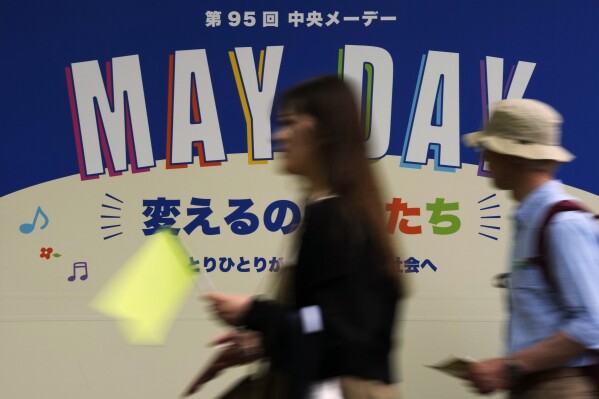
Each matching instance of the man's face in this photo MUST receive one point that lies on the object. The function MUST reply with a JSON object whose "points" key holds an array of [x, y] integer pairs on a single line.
{"points": [[504, 169]]}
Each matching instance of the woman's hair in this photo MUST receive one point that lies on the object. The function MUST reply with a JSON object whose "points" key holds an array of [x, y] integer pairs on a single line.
{"points": [[342, 154]]}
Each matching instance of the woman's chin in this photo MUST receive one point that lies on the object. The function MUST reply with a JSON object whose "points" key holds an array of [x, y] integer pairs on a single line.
{"points": [[284, 167]]}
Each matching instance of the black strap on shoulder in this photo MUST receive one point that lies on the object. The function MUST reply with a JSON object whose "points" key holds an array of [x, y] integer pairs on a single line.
{"points": [[541, 258]]}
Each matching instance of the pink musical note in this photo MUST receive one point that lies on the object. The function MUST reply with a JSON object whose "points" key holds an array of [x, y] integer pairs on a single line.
{"points": [[27, 228], [79, 265]]}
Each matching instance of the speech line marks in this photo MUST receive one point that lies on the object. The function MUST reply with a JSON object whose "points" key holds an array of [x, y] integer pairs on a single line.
{"points": [[488, 218], [112, 224], [27, 228]]}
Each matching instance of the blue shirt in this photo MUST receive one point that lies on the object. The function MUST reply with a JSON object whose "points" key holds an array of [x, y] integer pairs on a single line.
{"points": [[536, 312]]}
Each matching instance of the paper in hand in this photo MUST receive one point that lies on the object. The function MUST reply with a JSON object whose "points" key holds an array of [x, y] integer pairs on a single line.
{"points": [[454, 366]]}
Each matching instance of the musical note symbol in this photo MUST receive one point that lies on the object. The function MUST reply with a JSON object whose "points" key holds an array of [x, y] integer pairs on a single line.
{"points": [[79, 265], [27, 228]]}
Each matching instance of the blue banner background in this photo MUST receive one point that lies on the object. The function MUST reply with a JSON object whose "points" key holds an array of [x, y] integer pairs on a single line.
{"points": [[39, 39]]}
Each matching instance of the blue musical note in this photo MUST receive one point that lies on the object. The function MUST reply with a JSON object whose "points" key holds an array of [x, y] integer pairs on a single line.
{"points": [[27, 228]]}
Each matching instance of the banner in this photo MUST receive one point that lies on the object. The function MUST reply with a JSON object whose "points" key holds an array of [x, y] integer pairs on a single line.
{"points": [[123, 117]]}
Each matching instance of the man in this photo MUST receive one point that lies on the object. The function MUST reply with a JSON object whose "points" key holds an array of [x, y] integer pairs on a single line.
{"points": [[553, 330]]}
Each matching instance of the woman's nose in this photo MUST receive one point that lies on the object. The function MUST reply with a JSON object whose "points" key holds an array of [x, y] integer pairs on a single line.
{"points": [[282, 135], [279, 138]]}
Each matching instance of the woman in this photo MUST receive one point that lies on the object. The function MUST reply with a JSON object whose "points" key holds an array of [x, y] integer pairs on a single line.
{"points": [[335, 332]]}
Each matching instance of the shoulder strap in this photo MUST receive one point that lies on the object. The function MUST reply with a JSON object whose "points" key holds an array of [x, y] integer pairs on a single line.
{"points": [[542, 259]]}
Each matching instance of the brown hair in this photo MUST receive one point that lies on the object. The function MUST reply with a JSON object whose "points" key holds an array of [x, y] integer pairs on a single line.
{"points": [[342, 153]]}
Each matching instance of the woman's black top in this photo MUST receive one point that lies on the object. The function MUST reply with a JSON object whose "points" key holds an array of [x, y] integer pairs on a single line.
{"points": [[340, 270]]}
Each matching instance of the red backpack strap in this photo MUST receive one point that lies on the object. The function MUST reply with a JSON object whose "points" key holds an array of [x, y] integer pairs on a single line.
{"points": [[542, 258], [541, 261]]}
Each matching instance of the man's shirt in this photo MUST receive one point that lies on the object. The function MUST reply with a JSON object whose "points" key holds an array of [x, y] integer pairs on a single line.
{"points": [[536, 311]]}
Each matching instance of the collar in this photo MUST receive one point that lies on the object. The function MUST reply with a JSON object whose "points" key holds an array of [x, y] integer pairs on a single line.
{"points": [[313, 200]]}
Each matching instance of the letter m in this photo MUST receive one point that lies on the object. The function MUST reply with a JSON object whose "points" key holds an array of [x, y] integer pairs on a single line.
{"points": [[109, 120]]}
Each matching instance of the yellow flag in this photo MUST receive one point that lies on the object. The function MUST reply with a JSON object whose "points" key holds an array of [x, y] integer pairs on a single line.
{"points": [[148, 291]]}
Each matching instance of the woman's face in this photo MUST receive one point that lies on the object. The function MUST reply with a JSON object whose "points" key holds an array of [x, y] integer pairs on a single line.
{"points": [[296, 138]]}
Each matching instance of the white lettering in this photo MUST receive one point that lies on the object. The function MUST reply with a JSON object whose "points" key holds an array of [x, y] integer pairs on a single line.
{"points": [[90, 90], [380, 64], [194, 63], [436, 117]]}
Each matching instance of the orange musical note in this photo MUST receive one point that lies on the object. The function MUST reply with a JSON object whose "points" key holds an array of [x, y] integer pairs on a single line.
{"points": [[27, 228], [79, 265]]}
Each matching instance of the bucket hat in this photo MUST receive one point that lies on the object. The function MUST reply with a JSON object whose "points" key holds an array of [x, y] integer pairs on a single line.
{"points": [[523, 128]]}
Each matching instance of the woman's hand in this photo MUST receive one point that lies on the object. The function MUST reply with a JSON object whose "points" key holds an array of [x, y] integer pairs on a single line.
{"points": [[238, 348], [231, 309]]}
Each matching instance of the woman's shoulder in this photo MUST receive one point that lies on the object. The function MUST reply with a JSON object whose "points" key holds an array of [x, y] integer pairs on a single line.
{"points": [[329, 206]]}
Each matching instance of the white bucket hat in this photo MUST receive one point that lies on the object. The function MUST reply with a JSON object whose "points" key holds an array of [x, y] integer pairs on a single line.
{"points": [[522, 128]]}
